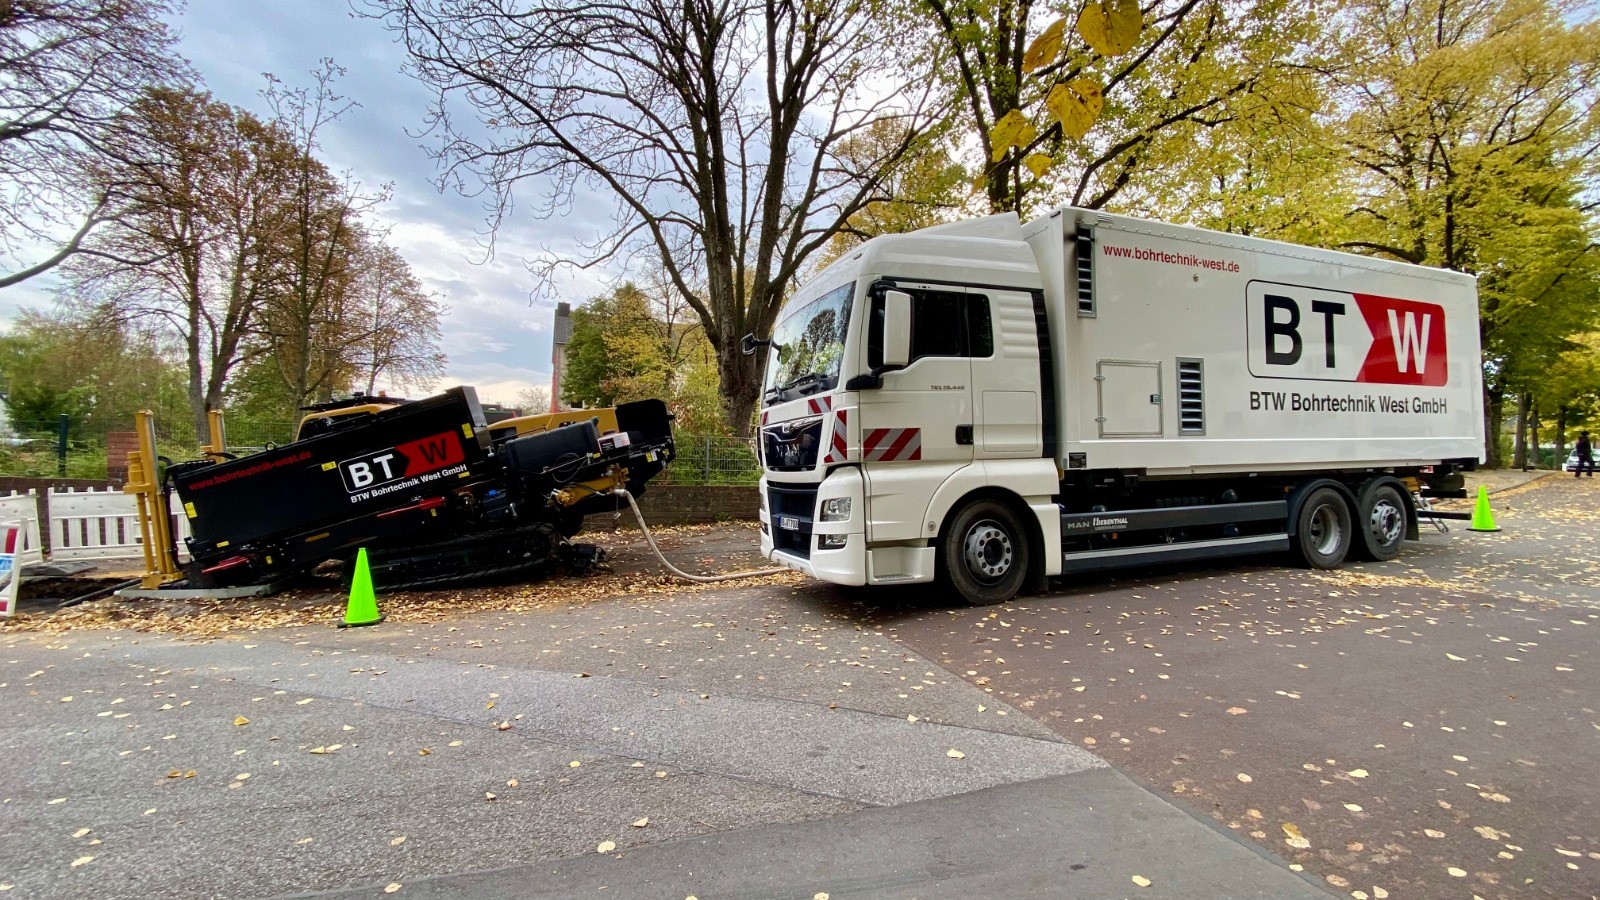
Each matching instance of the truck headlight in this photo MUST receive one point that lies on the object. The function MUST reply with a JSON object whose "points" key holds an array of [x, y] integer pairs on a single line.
{"points": [[836, 510], [832, 541]]}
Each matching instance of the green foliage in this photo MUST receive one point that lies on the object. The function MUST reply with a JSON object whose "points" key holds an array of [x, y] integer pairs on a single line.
{"points": [[628, 346], [92, 368]]}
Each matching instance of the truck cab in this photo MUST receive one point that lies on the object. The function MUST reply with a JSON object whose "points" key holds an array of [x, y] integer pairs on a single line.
{"points": [[864, 456]]}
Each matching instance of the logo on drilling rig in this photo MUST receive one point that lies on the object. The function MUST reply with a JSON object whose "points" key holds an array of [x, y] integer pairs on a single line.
{"points": [[410, 460]]}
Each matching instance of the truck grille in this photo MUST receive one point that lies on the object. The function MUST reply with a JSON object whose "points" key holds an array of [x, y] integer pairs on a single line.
{"points": [[792, 446], [797, 502]]}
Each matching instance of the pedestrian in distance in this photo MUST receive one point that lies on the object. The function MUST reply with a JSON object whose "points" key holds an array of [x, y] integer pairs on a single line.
{"points": [[1585, 451]]}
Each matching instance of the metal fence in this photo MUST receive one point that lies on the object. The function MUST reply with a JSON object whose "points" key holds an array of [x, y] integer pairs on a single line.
{"points": [[707, 459], [57, 449]]}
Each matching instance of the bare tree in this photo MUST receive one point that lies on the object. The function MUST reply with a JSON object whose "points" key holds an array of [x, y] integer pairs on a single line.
{"points": [[209, 216], [309, 326], [400, 340], [714, 124], [68, 71]]}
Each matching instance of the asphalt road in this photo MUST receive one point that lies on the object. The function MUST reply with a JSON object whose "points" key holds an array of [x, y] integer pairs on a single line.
{"points": [[1420, 728], [1423, 728]]}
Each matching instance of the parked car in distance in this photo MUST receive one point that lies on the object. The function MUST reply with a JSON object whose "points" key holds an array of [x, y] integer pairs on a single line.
{"points": [[1572, 462]]}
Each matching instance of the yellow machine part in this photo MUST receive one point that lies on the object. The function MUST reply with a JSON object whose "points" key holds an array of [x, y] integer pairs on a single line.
{"points": [[605, 420], [365, 409]]}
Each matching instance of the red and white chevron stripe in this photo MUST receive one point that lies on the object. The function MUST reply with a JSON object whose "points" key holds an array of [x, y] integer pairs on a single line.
{"points": [[820, 404], [891, 444], [839, 444]]}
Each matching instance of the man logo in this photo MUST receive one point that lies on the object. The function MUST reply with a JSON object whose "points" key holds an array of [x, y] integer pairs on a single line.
{"points": [[1318, 335]]}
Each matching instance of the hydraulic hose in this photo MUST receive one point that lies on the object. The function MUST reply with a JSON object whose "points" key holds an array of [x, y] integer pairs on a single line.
{"points": [[702, 579]]}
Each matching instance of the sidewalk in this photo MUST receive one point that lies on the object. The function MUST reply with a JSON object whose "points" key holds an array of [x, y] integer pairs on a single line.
{"points": [[1501, 480], [743, 742]]}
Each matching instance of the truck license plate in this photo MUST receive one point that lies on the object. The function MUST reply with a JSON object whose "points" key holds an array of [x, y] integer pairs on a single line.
{"points": [[789, 523]]}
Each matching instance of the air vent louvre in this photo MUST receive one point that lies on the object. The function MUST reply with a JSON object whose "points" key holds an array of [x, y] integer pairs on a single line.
{"points": [[1085, 271], [1191, 396]]}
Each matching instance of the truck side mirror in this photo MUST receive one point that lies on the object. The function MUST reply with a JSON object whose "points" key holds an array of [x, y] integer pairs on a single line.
{"points": [[896, 329], [750, 342]]}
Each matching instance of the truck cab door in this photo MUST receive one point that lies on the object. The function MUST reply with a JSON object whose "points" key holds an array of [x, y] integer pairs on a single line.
{"points": [[917, 427], [1003, 339]]}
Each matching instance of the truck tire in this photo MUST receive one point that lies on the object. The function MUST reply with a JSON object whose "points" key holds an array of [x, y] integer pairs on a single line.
{"points": [[1323, 530], [1380, 521], [984, 556]]}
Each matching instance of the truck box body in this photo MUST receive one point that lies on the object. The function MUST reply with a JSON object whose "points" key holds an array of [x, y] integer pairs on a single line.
{"points": [[1252, 354]]}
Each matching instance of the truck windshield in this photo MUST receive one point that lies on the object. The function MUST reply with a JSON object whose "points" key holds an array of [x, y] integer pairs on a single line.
{"points": [[808, 347]]}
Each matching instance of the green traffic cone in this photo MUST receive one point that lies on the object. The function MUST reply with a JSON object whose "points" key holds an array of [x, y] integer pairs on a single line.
{"points": [[1482, 516], [363, 606]]}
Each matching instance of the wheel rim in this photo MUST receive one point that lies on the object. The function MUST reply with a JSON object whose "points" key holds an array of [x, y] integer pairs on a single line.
{"points": [[1387, 522], [987, 551], [1325, 530]]}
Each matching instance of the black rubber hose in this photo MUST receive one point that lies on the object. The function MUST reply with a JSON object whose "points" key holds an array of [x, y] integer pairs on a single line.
{"points": [[98, 592]]}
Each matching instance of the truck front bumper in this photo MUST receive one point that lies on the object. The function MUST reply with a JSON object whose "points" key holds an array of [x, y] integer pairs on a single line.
{"points": [[837, 550]]}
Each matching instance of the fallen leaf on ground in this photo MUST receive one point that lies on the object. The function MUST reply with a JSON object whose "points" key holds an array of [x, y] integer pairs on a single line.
{"points": [[398, 841], [1243, 778], [1357, 773], [606, 847], [1294, 837], [1141, 881], [1432, 833], [488, 795], [1459, 873], [642, 822], [955, 754], [241, 720], [391, 887], [81, 860], [1237, 710]]}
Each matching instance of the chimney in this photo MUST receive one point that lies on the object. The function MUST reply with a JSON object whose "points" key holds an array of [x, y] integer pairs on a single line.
{"points": [[560, 335]]}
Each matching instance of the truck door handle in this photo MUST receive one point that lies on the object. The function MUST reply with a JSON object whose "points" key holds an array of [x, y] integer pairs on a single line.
{"points": [[964, 435]]}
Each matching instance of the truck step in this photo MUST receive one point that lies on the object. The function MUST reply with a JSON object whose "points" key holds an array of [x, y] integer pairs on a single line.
{"points": [[1127, 557]]}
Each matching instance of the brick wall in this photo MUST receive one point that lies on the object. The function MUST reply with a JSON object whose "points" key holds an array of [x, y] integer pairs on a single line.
{"points": [[118, 445], [683, 504]]}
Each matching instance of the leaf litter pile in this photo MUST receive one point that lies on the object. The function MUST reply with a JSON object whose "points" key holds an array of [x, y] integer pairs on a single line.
{"points": [[631, 572]]}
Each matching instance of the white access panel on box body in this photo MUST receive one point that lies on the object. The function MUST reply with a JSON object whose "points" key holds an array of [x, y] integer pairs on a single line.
{"points": [[1306, 357]]}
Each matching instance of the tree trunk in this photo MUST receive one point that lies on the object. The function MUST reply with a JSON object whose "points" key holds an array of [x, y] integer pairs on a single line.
{"points": [[1493, 407], [1519, 446], [1561, 436], [197, 389], [1533, 434], [741, 385]]}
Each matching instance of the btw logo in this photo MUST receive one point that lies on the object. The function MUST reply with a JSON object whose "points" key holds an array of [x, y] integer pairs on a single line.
{"points": [[404, 461], [1314, 334]]}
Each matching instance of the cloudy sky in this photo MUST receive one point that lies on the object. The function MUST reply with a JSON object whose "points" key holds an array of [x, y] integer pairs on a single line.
{"points": [[496, 336]]}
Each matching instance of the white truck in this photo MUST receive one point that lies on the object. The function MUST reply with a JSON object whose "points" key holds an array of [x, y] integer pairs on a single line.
{"points": [[990, 403]]}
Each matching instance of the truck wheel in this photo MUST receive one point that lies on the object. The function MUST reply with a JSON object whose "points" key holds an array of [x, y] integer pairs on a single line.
{"points": [[1323, 536], [1381, 513], [984, 554]]}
